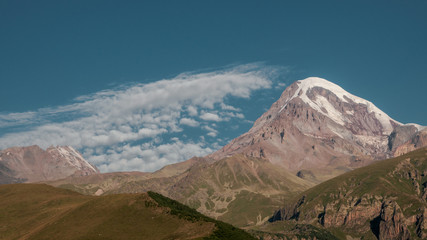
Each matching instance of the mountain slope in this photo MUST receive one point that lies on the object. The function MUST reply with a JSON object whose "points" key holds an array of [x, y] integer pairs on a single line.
{"points": [[385, 200], [33, 211], [322, 130], [239, 189]]}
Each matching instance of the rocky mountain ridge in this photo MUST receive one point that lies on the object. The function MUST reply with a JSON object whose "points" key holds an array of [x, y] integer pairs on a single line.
{"points": [[386, 200], [319, 128], [33, 164]]}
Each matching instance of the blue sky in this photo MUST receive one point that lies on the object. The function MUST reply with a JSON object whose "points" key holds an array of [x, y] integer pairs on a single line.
{"points": [[66, 65]]}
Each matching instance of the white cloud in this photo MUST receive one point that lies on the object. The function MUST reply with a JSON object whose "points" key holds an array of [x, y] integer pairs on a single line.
{"points": [[146, 159], [13, 119], [189, 122], [210, 117], [109, 126], [192, 111], [228, 107], [212, 134], [229, 115], [211, 131], [280, 85]]}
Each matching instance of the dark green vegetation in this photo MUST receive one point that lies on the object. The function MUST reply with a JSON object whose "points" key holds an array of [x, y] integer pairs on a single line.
{"points": [[36, 211], [386, 197], [222, 230]]}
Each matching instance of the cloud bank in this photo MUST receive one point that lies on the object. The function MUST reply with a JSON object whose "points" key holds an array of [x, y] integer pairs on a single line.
{"points": [[141, 127]]}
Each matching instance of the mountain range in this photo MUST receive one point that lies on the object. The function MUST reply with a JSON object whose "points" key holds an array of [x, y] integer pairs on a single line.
{"points": [[313, 133]]}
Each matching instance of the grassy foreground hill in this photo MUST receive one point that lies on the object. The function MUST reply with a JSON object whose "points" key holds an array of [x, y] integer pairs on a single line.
{"points": [[385, 200], [37, 211]]}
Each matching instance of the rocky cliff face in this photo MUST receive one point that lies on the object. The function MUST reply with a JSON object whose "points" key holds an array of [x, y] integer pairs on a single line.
{"points": [[386, 199], [422, 224], [392, 222], [33, 164], [319, 128], [410, 142]]}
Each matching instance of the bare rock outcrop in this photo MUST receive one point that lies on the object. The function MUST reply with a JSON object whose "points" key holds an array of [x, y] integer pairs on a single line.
{"points": [[400, 135], [386, 217], [392, 224], [422, 224], [416, 140], [386, 200]]}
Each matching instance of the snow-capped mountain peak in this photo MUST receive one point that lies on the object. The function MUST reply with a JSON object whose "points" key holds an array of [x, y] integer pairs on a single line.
{"points": [[73, 157], [316, 124], [323, 102], [311, 82], [33, 164]]}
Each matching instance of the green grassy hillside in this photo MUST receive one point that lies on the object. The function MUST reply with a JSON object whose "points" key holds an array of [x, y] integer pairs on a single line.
{"points": [[389, 178], [363, 202], [36, 211]]}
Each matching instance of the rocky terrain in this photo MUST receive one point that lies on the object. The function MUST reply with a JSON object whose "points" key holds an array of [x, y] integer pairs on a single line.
{"points": [[33, 164], [385, 200], [405, 139]]}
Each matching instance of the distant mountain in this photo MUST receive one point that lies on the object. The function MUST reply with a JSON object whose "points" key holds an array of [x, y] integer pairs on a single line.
{"points": [[314, 132], [407, 138], [385, 200], [320, 130], [33, 164], [35, 211]]}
